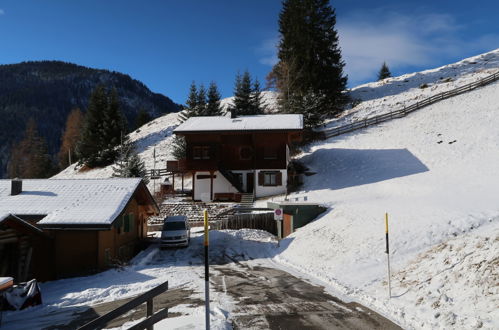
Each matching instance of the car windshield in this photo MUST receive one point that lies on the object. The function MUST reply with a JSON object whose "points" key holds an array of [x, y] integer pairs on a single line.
{"points": [[177, 225]]}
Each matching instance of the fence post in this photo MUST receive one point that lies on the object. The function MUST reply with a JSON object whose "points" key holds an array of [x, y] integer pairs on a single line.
{"points": [[149, 310]]}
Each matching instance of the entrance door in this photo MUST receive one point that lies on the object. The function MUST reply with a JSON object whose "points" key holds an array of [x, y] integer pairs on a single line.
{"points": [[250, 182]]}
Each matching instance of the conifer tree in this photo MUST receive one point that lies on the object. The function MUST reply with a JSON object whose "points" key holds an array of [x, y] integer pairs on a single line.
{"points": [[179, 147], [129, 164], [384, 72], [309, 56], [29, 157], [191, 103], [90, 145], [143, 117], [201, 101], [102, 129], [70, 137], [113, 129], [213, 107], [243, 103], [257, 104]]}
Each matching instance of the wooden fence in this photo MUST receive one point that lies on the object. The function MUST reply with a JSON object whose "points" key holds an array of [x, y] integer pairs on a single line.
{"points": [[148, 323], [263, 221], [411, 108]]}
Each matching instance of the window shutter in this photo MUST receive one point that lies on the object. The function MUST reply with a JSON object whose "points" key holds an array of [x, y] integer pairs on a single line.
{"points": [[260, 178], [278, 179]]}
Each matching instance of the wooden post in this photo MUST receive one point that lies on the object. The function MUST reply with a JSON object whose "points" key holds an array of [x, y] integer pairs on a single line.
{"points": [[211, 185], [206, 271], [193, 183], [388, 256], [149, 310], [182, 182], [173, 182]]}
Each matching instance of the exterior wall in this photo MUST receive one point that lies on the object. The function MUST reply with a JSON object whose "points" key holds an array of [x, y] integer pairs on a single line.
{"points": [[116, 244], [75, 252], [263, 191], [220, 185]]}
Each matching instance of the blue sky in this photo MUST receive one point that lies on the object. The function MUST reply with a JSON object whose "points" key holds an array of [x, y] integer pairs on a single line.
{"points": [[167, 44]]}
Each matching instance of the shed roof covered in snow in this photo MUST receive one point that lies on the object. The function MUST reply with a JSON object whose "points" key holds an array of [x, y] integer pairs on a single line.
{"points": [[280, 122], [71, 202]]}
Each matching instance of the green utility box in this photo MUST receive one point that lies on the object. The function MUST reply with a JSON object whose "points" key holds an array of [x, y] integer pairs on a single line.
{"points": [[302, 213]]}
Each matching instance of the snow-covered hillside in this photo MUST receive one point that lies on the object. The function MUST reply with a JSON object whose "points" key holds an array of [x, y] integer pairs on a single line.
{"points": [[436, 172], [155, 135], [394, 93]]}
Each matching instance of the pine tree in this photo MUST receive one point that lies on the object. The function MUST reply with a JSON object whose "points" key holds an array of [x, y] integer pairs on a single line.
{"points": [[89, 147], [29, 157], [384, 72], [179, 147], [70, 137], [102, 130], [113, 129], [201, 101], [257, 105], [213, 107], [309, 57], [143, 117], [191, 104], [243, 103], [129, 164]]}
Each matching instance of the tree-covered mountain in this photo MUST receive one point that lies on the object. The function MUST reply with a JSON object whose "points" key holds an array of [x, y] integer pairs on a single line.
{"points": [[47, 91]]}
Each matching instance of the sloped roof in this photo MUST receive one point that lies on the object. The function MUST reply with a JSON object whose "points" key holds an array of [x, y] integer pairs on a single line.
{"points": [[69, 202], [244, 123]]}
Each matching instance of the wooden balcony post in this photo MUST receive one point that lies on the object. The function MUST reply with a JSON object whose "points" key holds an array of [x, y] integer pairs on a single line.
{"points": [[211, 184]]}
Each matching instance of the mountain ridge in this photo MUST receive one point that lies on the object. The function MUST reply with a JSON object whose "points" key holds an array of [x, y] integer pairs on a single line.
{"points": [[48, 90]]}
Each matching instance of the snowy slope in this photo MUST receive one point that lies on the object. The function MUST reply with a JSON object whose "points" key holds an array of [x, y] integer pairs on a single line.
{"points": [[394, 93], [436, 173], [155, 135]]}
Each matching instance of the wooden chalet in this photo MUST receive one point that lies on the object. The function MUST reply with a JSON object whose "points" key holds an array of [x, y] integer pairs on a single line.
{"points": [[228, 157], [52, 228]]}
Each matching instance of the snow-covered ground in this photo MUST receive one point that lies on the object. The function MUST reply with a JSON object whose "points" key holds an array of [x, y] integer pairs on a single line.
{"points": [[436, 173], [391, 94], [182, 268]]}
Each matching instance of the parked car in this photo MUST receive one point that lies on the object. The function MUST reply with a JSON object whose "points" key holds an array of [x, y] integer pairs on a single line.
{"points": [[176, 231]]}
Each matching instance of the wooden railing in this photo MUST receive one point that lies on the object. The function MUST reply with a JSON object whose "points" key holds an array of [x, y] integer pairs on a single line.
{"points": [[148, 323], [411, 108]]}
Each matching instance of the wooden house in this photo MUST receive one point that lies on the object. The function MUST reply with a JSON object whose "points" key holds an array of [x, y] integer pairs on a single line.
{"points": [[232, 156], [59, 228]]}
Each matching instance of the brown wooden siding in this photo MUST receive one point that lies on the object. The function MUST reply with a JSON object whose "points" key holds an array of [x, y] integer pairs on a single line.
{"points": [[238, 151], [75, 252]]}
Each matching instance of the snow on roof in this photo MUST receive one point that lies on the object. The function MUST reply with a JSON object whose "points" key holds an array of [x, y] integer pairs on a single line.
{"points": [[69, 202], [243, 123]]}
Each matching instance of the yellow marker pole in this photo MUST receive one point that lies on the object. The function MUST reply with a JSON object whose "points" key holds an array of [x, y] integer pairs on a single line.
{"points": [[206, 271], [388, 256]]}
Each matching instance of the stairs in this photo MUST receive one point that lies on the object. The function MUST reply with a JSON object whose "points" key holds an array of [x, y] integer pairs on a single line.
{"points": [[247, 200], [231, 177]]}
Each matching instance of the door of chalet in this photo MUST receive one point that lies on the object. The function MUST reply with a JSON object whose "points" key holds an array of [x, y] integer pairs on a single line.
{"points": [[250, 182]]}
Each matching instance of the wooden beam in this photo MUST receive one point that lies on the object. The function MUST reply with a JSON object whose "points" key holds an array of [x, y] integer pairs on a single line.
{"points": [[211, 185]]}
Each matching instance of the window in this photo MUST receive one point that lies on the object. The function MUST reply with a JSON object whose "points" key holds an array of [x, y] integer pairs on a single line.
{"points": [[201, 152], [273, 178], [269, 179]]}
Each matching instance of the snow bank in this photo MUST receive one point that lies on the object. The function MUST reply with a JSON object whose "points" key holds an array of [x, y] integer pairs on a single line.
{"points": [[435, 172]]}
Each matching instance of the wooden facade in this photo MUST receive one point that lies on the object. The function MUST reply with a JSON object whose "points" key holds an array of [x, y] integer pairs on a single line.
{"points": [[59, 251], [235, 162]]}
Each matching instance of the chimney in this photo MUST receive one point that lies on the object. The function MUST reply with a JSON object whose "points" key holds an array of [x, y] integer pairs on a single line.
{"points": [[17, 187]]}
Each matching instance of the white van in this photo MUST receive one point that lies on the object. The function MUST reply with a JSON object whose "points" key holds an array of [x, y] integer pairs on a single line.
{"points": [[176, 231]]}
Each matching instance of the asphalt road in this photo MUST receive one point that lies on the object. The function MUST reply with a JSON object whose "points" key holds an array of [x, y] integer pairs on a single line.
{"points": [[269, 298]]}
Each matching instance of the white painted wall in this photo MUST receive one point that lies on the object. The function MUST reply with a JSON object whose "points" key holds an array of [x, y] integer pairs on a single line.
{"points": [[222, 185], [202, 186], [263, 191]]}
